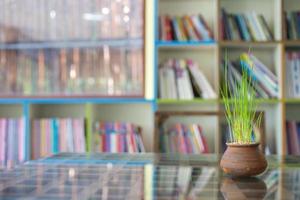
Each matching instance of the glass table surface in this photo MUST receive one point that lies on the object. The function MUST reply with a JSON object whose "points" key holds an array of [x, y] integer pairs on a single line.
{"points": [[145, 176]]}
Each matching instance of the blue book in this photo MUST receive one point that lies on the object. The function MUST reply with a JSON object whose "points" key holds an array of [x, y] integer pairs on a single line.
{"points": [[242, 24], [298, 24], [55, 137], [298, 131], [226, 25]]}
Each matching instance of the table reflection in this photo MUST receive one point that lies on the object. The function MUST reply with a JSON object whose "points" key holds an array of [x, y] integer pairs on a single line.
{"points": [[148, 177]]}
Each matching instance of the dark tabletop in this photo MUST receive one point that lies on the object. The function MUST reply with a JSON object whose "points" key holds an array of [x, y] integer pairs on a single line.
{"points": [[145, 176]]}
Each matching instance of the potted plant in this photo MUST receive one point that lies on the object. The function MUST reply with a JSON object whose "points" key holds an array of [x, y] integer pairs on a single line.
{"points": [[242, 156]]}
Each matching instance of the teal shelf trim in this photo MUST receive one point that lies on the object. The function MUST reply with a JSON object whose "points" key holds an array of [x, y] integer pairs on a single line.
{"points": [[183, 44], [73, 100], [127, 42]]}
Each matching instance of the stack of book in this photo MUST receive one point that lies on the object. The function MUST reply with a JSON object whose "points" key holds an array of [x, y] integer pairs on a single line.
{"points": [[293, 74], [117, 137], [106, 71], [186, 28], [54, 135], [247, 27], [70, 20], [12, 142], [265, 81], [292, 20], [293, 137], [183, 79], [181, 138]]}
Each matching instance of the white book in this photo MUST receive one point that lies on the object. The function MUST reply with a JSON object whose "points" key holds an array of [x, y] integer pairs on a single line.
{"points": [[198, 137], [200, 27], [252, 27], [113, 143], [288, 80], [129, 146], [162, 83], [204, 85], [259, 26], [297, 63], [295, 72], [70, 147], [187, 85]]}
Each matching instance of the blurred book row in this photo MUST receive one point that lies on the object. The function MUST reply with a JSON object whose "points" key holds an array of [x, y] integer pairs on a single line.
{"points": [[181, 138], [50, 136], [117, 137], [57, 20], [183, 79], [106, 71], [248, 26], [184, 28]]}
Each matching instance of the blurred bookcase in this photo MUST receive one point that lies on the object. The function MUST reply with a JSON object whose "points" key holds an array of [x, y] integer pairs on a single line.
{"points": [[76, 59], [79, 38], [209, 55]]}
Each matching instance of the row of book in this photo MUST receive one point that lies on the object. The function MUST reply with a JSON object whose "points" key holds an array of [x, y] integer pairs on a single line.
{"points": [[292, 25], [293, 137], [117, 137], [265, 81], [247, 27], [184, 28], [183, 79], [57, 20], [107, 71], [180, 138], [12, 142], [53, 135], [293, 74]]}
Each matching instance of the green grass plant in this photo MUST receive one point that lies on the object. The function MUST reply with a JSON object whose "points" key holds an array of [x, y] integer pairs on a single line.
{"points": [[240, 107]]}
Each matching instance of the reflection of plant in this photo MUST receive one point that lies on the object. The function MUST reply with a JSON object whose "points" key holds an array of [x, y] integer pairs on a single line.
{"points": [[240, 107]]}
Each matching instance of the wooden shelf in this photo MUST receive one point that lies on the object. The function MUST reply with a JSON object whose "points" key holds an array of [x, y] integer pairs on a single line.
{"points": [[246, 44], [292, 100], [292, 43], [192, 101]]}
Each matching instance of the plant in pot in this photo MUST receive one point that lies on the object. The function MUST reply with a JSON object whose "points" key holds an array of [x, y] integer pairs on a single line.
{"points": [[242, 157]]}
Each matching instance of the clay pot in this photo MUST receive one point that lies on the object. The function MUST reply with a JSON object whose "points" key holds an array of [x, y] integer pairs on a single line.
{"points": [[243, 160]]}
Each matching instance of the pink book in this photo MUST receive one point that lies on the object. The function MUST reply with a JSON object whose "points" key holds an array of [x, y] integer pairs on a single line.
{"points": [[21, 136], [2, 141], [295, 146]]}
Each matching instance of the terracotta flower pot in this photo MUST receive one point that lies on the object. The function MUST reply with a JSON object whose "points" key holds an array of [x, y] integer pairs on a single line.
{"points": [[243, 160]]}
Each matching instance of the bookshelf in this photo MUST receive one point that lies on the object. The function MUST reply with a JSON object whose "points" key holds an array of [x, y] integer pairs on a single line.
{"points": [[270, 52], [140, 108]]}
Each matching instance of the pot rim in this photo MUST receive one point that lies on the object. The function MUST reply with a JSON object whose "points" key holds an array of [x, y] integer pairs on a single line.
{"points": [[231, 144]]}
